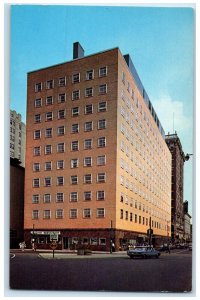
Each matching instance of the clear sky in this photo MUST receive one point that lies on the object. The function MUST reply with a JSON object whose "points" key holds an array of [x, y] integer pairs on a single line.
{"points": [[160, 41]]}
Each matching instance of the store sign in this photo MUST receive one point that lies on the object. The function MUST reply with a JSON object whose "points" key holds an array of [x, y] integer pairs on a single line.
{"points": [[45, 232]]}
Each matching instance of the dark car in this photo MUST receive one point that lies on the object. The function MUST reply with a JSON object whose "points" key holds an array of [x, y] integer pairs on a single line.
{"points": [[143, 252]]}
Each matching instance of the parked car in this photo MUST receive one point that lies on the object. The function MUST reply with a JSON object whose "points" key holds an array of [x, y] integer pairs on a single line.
{"points": [[190, 247], [143, 252]]}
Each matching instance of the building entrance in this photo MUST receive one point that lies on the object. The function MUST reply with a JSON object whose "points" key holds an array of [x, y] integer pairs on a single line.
{"points": [[66, 242]]}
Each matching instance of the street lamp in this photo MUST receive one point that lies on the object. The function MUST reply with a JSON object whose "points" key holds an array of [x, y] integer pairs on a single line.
{"points": [[187, 156]]}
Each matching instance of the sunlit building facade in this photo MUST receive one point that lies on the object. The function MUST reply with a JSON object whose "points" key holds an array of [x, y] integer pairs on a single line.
{"points": [[97, 165]]}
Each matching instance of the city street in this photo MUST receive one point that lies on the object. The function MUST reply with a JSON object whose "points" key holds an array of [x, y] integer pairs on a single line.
{"points": [[101, 272]]}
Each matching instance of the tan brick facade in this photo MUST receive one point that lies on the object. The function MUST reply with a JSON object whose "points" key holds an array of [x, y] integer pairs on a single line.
{"points": [[126, 172]]}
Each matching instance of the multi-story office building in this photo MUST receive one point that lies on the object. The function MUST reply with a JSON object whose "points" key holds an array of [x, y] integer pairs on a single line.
{"points": [[97, 165], [177, 213], [17, 137]]}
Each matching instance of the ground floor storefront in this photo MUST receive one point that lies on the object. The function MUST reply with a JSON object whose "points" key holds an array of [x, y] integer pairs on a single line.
{"points": [[93, 239]]}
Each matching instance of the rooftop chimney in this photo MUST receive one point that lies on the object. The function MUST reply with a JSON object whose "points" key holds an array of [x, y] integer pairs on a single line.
{"points": [[78, 51]]}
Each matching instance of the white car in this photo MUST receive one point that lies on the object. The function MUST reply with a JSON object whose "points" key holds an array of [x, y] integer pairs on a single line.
{"points": [[143, 252]]}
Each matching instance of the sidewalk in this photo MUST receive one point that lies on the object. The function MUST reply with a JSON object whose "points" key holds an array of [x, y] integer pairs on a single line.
{"points": [[63, 254]]}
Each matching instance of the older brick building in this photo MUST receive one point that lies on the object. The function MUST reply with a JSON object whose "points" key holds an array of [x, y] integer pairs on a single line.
{"points": [[97, 165], [178, 159]]}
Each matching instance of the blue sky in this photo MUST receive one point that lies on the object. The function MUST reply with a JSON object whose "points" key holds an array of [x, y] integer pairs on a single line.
{"points": [[160, 41]]}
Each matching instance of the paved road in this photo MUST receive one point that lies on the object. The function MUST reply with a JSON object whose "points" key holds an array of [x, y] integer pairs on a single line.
{"points": [[171, 272]]}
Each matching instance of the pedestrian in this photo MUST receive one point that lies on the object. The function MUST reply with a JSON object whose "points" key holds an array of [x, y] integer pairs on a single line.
{"points": [[113, 247], [168, 248], [22, 246]]}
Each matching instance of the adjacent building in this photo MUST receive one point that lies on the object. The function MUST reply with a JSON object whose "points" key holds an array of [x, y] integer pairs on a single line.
{"points": [[97, 165], [187, 223], [17, 137], [177, 213], [17, 175]]}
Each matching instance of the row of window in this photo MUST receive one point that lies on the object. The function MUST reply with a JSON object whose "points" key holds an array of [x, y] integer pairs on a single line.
{"points": [[88, 144], [73, 197], [73, 213], [75, 128], [42, 239], [74, 163], [76, 78], [75, 95], [87, 179]]}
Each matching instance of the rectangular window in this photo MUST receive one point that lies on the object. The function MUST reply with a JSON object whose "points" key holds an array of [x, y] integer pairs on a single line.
{"points": [[59, 197], [74, 163], [47, 198], [60, 164], [38, 87], [74, 146], [88, 109], [37, 118], [61, 148], [37, 134], [88, 144], [38, 102], [121, 214], [123, 77], [47, 214], [75, 111], [48, 149], [88, 126], [102, 241], [49, 84], [135, 218], [88, 92], [36, 167], [36, 182], [102, 124], [87, 161], [73, 196], [86, 213], [75, 128], [126, 217], [73, 213], [100, 212], [101, 177], [49, 100], [103, 72], [101, 160], [49, 116], [48, 165], [36, 151], [88, 178], [35, 199], [61, 98], [60, 180], [103, 89], [102, 106], [62, 81], [35, 214], [74, 179], [87, 196], [76, 95], [61, 114], [61, 130], [59, 213], [90, 75], [100, 195], [47, 181], [76, 78], [101, 142], [48, 132], [131, 216]]}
